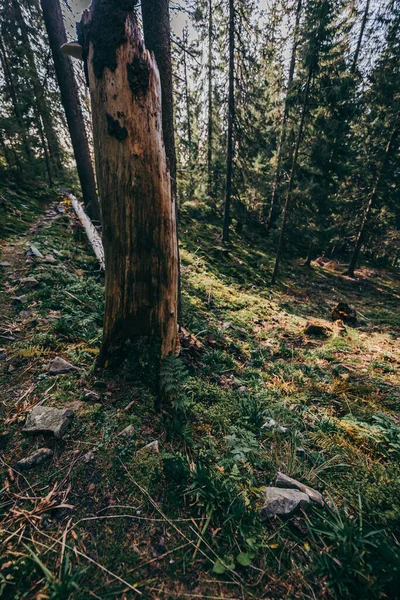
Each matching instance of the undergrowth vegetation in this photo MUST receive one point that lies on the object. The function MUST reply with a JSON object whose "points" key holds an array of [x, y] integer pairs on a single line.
{"points": [[254, 396]]}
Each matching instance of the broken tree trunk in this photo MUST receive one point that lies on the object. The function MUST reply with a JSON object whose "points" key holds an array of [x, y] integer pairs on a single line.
{"points": [[90, 229], [138, 210]]}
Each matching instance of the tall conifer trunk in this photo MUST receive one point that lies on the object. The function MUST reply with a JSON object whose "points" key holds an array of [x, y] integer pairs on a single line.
{"points": [[157, 37], [210, 120], [360, 37], [231, 117], [43, 108], [369, 206], [138, 209], [12, 93], [70, 99], [272, 215], [292, 175]]}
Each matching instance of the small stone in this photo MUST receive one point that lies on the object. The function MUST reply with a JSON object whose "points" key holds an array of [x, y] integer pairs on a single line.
{"points": [[280, 502], [28, 282], [128, 431], [48, 420], [25, 314], [34, 459], [33, 251], [283, 481], [49, 259], [88, 457], [61, 209], [11, 369], [19, 299], [243, 389], [59, 366], [91, 396], [5, 264], [152, 447]]}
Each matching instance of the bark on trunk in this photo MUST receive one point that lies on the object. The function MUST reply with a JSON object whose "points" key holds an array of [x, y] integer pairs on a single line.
{"points": [[157, 37], [138, 210], [291, 180], [210, 123], [368, 208], [231, 116], [272, 215], [70, 99]]}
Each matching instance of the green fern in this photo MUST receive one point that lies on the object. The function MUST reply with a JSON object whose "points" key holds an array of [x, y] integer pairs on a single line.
{"points": [[173, 376], [31, 352]]}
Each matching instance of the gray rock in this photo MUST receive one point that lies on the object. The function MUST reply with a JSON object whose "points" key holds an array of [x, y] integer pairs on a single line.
{"points": [[49, 259], [91, 396], [283, 503], [152, 447], [25, 314], [48, 420], [5, 264], [128, 431], [28, 282], [88, 457], [34, 459], [33, 251], [20, 299], [283, 481], [59, 366]]}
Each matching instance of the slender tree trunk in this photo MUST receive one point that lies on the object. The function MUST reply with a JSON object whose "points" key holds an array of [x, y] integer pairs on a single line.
{"points": [[137, 206], [273, 203], [11, 90], [54, 148], [231, 117], [370, 204], [70, 99], [6, 152], [292, 174], [187, 100], [44, 142], [157, 37], [210, 123], [188, 114], [360, 37]]}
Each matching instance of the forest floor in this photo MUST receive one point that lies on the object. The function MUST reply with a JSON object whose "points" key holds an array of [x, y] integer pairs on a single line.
{"points": [[251, 395]]}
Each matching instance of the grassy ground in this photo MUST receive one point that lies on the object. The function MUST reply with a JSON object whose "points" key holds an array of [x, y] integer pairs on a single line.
{"points": [[104, 519]]}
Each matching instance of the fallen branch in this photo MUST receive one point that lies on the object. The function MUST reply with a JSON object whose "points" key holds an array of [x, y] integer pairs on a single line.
{"points": [[90, 229]]}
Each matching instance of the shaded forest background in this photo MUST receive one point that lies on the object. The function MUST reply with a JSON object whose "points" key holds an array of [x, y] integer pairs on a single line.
{"points": [[323, 76]]}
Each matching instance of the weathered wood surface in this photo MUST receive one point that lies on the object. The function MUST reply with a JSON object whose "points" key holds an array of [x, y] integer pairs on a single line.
{"points": [[138, 210], [90, 229]]}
